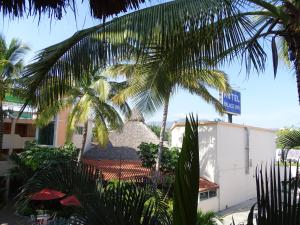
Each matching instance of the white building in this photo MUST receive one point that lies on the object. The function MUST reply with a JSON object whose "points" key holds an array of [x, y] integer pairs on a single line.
{"points": [[229, 154]]}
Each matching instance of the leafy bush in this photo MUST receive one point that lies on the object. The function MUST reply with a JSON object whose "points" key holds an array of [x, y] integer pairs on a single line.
{"points": [[205, 218], [35, 157], [148, 154]]}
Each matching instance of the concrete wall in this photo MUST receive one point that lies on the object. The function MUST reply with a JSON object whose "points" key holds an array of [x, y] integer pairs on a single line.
{"points": [[19, 142], [177, 135], [226, 160], [237, 163], [208, 152]]}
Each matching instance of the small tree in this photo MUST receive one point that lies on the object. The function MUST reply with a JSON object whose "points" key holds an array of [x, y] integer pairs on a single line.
{"points": [[288, 139], [148, 154]]}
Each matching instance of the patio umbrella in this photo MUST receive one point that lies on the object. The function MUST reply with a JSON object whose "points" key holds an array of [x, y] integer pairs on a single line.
{"points": [[70, 201], [47, 194]]}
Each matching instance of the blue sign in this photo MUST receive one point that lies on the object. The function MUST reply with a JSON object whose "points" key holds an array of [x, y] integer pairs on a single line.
{"points": [[232, 102]]}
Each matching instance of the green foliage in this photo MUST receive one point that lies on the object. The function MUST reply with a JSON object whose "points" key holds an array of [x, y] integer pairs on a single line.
{"points": [[288, 139], [91, 97], [277, 197], [156, 130], [205, 218], [35, 157], [148, 154], [187, 177], [116, 203]]}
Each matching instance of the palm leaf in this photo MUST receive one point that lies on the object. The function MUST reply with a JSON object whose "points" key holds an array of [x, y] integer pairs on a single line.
{"points": [[163, 25], [187, 177]]}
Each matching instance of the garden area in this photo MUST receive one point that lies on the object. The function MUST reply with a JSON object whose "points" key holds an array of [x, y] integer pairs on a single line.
{"points": [[136, 58]]}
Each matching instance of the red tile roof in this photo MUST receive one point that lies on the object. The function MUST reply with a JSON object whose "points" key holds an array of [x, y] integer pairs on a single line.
{"points": [[131, 169], [205, 185], [120, 169]]}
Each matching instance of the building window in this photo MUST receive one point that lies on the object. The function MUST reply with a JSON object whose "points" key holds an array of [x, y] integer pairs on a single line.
{"points": [[46, 135], [203, 195], [208, 194]]}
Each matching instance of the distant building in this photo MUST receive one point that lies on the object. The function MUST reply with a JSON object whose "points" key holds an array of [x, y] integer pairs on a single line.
{"points": [[123, 144], [229, 154]]}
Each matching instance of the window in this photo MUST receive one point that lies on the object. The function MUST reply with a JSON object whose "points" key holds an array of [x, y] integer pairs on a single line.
{"points": [[208, 194], [203, 195], [46, 135], [212, 193]]}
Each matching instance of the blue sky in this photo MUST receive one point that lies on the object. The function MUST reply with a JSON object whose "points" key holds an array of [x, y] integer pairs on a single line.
{"points": [[265, 102]]}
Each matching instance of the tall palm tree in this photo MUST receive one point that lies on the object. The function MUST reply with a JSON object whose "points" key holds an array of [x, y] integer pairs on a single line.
{"points": [[91, 99], [11, 64], [156, 79]]}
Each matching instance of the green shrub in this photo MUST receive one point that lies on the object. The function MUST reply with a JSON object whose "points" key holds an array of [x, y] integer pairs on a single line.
{"points": [[148, 154], [35, 157]]}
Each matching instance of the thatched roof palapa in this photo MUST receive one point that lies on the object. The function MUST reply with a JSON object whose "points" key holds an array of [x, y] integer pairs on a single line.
{"points": [[123, 144], [55, 8]]}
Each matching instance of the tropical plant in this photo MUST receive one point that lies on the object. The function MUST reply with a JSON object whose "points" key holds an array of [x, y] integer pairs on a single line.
{"points": [[187, 177], [116, 203], [148, 154], [288, 140], [36, 157], [11, 64], [205, 218], [92, 98], [123, 202], [278, 199], [188, 30], [153, 82]]}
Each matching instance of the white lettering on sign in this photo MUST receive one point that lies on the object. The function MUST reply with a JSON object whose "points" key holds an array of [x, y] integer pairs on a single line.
{"points": [[233, 97]]}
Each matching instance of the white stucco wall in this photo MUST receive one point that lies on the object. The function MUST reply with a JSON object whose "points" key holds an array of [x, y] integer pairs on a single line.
{"points": [[235, 184], [208, 152], [223, 158]]}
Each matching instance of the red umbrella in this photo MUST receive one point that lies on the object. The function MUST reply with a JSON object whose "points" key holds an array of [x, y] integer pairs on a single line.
{"points": [[70, 201], [47, 194]]}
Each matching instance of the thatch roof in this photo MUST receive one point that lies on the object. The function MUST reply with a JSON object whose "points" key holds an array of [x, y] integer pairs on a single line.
{"points": [[123, 144], [56, 8]]}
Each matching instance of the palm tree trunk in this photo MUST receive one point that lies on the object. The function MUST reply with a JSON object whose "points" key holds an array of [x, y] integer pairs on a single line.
{"points": [[85, 128], [162, 133], [1, 126]]}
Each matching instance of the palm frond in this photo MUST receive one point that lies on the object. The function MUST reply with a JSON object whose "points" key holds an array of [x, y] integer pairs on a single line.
{"points": [[114, 204], [189, 26], [290, 139], [187, 177]]}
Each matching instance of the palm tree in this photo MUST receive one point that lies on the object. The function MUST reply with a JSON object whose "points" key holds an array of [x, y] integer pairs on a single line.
{"points": [[189, 29], [11, 64], [153, 82], [93, 98], [277, 20], [288, 140]]}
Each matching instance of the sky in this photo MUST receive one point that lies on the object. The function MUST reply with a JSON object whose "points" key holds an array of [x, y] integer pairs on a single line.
{"points": [[265, 101]]}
